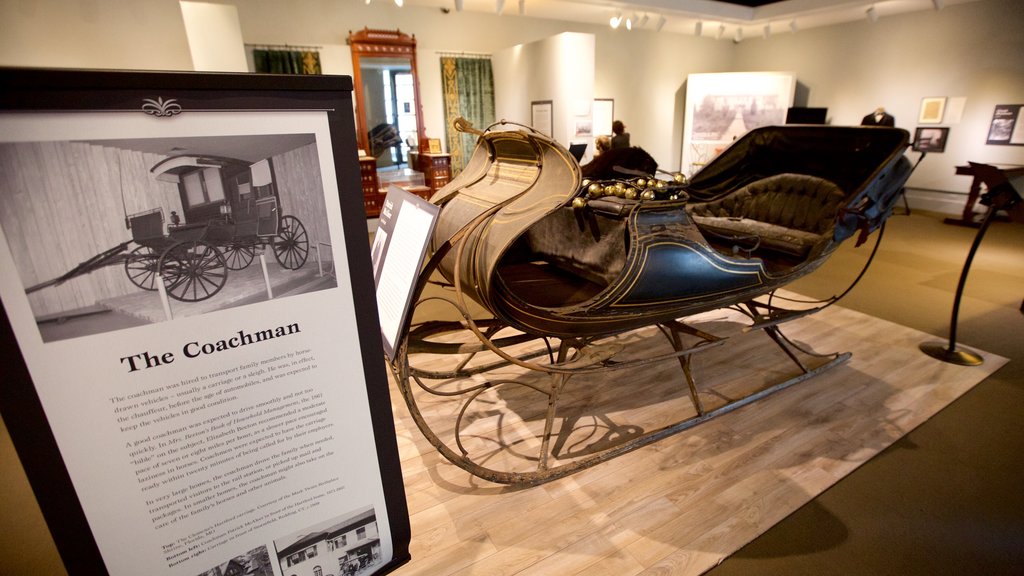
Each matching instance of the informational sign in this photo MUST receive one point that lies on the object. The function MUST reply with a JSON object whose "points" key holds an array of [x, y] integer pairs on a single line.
{"points": [[1007, 126], [188, 391], [405, 226]]}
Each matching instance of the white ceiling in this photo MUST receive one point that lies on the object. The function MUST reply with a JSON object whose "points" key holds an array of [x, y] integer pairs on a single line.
{"points": [[682, 16]]}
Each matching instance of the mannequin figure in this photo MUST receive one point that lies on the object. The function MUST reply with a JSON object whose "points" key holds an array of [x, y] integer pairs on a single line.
{"points": [[878, 118]]}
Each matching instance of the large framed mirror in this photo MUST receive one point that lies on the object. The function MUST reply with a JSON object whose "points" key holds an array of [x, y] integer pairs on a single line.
{"points": [[389, 116]]}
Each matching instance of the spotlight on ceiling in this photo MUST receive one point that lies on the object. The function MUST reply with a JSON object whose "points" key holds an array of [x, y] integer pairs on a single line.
{"points": [[767, 31], [937, 4], [792, 26], [629, 23], [522, 7], [739, 36], [459, 5], [872, 14], [698, 28], [721, 32], [399, 3], [643, 21], [499, 6], [614, 21], [660, 24]]}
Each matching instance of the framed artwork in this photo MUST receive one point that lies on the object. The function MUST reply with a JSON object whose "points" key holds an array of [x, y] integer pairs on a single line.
{"points": [[932, 110], [434, 145], [604, 115], [584, 128], [930, 139], [721, 107], [1006, 128], [541, 116], [178, 410]]}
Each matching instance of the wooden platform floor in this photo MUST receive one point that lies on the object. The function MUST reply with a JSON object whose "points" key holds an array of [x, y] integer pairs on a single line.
{"points": [[683, 504]]}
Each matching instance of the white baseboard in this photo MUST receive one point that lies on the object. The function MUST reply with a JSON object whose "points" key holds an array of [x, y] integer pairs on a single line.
{"points": [[951, 203]]}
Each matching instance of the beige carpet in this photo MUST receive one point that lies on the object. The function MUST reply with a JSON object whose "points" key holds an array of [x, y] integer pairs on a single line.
{"points": [[683, 504]]}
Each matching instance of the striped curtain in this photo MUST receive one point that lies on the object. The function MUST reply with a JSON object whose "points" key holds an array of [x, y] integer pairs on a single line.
{"points": [[469, 93], [286, 61]]}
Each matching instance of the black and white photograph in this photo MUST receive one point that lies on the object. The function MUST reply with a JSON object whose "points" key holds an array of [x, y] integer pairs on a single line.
{"points": [[723, 107], [255, 562], [1006, 127], [347, 545], [929, 139], [95, 225]]}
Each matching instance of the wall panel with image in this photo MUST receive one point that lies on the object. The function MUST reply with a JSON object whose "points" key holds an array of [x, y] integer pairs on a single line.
{"points": [[193, 358]]}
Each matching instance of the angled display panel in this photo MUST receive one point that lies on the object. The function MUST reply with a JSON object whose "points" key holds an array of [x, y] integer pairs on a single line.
{"points": [[190, 340]]}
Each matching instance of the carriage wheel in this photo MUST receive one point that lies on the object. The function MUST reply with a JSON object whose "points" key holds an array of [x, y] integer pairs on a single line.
{"points": [[141, 265], [291, 245], [239, 256], [193, 270]]}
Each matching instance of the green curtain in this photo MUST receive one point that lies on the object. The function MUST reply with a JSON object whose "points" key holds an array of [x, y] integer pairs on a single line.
{"points": [[286, 61], [469, 93]]}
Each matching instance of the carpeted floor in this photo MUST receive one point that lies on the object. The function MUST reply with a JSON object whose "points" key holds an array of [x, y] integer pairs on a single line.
{"points": [[946, 498]]}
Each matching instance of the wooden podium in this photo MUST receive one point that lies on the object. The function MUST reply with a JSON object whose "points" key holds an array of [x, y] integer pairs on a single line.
{"points": [[969, 218]]}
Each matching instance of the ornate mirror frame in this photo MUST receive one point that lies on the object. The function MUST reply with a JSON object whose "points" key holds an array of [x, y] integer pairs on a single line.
{"points": [[369, 43]]}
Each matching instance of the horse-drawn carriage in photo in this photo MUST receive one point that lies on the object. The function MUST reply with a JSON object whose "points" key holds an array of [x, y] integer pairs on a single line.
{"points": [[551, 277], [230, 209]]}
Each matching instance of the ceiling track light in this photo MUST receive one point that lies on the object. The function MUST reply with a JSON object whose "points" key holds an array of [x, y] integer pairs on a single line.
{"points": [[792, 26], [614, 21], [522, 7], [459, 4], [767, 31], [399, 3], [721, 32], [698, 28], [739, 36], [643, 20], [499, 6], [872, 14], [937, 4], [661, 23]]}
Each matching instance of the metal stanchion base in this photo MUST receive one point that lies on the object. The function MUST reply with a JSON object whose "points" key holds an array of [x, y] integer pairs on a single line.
{"points": [[941, 351]]}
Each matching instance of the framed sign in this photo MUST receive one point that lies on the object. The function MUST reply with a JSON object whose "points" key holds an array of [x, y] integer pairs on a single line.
{"points": [[1007, 127], [400, 244], [188, 391], [604, 115], [541, 116]]}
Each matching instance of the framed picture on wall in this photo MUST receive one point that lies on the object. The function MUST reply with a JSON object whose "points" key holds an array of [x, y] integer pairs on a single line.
{"points": [[1006, 128], [170, 419], [930, 139], [541, 116], [932, 110], [604, 115]]}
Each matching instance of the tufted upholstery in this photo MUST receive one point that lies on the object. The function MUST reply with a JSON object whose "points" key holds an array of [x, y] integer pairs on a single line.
{"points": [[790, 213]]}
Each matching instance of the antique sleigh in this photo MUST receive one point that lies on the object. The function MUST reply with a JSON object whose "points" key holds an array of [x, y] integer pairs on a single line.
{"points": [[546, 293]]}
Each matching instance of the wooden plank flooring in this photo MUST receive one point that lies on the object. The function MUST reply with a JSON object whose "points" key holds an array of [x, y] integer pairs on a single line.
{"points": [[681, 505]]}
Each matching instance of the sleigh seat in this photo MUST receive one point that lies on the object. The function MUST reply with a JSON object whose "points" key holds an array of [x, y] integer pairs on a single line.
{"points": [[792, 215]]}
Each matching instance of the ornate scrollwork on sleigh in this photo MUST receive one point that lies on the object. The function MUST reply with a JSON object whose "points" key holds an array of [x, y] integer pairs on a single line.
{"points": [[561, 293]]}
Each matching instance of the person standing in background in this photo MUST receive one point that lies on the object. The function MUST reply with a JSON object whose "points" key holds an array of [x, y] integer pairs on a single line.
{"points": [[620, 138]]}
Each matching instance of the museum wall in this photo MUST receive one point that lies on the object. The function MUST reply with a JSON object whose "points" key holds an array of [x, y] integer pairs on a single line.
{"points": [[967, 51]]}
